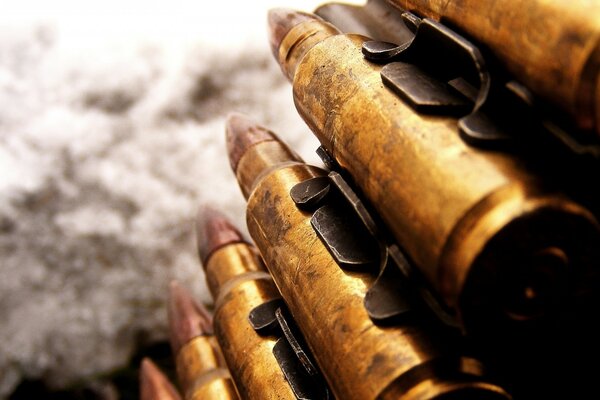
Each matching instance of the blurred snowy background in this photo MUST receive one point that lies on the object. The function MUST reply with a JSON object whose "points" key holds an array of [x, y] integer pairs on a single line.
{"points": [[111, 133]]}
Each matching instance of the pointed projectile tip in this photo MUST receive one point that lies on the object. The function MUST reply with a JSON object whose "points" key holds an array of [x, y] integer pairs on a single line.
{"points": [[241, 133], [187, 318], [213, 231], [154, 385], [281, 21]]}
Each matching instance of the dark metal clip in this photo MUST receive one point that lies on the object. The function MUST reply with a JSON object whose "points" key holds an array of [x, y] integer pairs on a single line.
{"points": [[335, 210], [347, 229], [440, 72], [262, 317], [422, 71], [290, 350], [353, 237]]}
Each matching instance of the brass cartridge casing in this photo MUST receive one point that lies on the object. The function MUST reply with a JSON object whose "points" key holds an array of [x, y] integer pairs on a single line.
{"points": [[239, 283], [200, 366], [359, 359], [551, 46], [202, 372], [485, 231]]}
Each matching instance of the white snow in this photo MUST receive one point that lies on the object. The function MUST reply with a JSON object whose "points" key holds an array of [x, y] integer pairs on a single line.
{"points": [[111, 134]]}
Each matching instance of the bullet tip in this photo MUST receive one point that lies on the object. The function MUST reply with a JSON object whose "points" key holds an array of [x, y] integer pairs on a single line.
{"points": [[154, 385], [281, 21], [213, 231], [241, 133], [187, 318]]}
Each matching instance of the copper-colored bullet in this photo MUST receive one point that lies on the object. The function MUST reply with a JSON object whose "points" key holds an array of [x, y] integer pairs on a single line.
{"points": [[215, 225], [280, 21], [187, 319], [154, 385], [243, 135], [238, 144], [215, 232]]}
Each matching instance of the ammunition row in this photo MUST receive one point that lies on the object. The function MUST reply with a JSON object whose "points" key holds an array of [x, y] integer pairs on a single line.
{"points": [[414, 257], [260, 351]]}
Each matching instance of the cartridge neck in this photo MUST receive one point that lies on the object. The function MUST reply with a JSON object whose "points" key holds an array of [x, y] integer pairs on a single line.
{"points": [[259, 160], [230, 262], [199, 357], [214, 234], [299, 40]]}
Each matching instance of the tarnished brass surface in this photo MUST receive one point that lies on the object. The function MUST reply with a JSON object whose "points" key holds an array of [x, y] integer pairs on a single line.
{"points": [[216, 385], [552, 46], [469, 218], [359, 360], [202, 372], [239, 260], [267, 154], [240, 283]]}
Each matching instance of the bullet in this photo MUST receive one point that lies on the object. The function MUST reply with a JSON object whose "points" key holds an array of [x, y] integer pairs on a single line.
{"points": [[201, 369], [239, 283], [187, 319], [504, 249], [280, 19], [215, 233], [551, 46], [359, 359], [282, 24], [154, 385], [272, 152]]}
